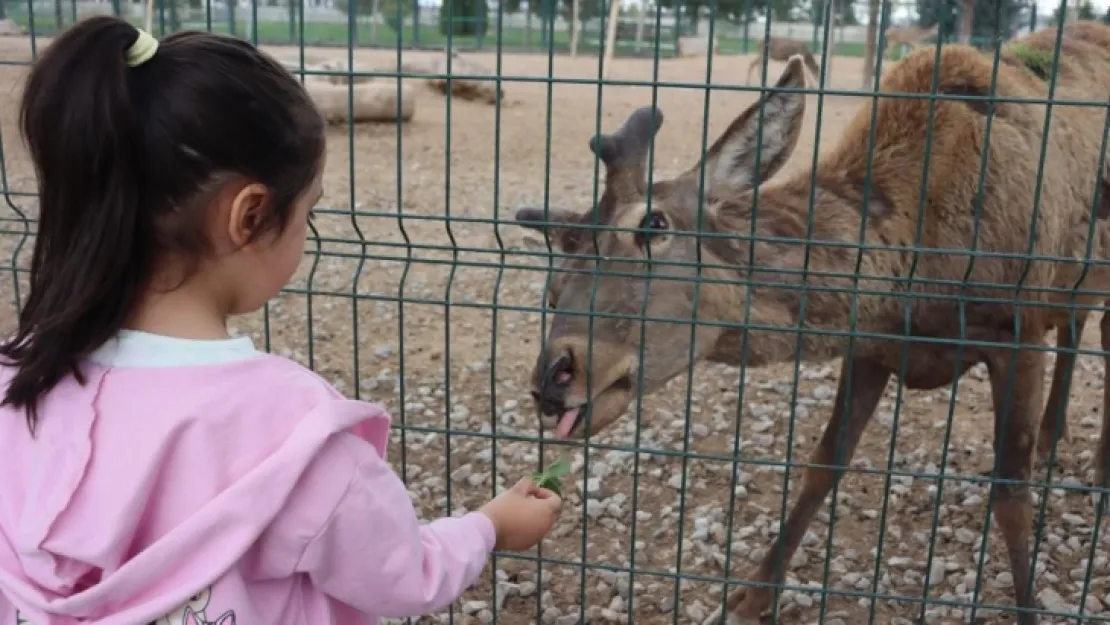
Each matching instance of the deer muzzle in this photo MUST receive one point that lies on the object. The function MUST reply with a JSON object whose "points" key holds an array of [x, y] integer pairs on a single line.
{"points": [[569, 394]]}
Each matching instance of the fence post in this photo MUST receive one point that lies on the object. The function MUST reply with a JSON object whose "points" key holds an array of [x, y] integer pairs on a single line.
{"points": [[481, 24], [677, 25], [293, 21], [415, 25], [528, 28], [817, 23], [547, 23], [175, 18], [543, 21], [747, 24]]}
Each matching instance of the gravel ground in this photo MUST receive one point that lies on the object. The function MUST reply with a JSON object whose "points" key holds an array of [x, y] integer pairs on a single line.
{"points": [[455, 356]]}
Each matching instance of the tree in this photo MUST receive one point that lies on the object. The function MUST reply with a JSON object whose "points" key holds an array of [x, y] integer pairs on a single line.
{"points": [[232, 19], [358, 7], [1085, 11], [588, 11], [396, 13], [464, 17], [990, 21], [845, 12], [1106, 16]]}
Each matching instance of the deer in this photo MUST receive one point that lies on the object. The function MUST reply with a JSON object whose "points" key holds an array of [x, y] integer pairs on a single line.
{"points": [[705, 253], [911, 36], [780, 49]]}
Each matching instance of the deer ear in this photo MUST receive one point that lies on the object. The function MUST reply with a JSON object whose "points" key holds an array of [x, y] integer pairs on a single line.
{"points": [[731, 161], [535, 219], [558, 224]]}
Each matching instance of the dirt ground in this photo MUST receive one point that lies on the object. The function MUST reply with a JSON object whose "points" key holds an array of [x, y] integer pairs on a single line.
{"points": [[456, 354]]}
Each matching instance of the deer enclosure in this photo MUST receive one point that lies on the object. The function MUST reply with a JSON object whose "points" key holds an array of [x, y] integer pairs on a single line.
{"points": [[419, 291]]}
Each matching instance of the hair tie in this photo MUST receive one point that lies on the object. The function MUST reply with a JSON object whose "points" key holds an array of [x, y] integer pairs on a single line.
{"points": [[142, 50]]}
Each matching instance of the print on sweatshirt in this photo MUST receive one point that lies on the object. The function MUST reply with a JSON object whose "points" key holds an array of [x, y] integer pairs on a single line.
{"points": [[192, 612]]}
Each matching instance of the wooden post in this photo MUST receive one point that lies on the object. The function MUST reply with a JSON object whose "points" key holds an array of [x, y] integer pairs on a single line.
{"points": [[640, 25], [869, 55], [827, 53], [967, 21], [611, 37], [574, 28]]}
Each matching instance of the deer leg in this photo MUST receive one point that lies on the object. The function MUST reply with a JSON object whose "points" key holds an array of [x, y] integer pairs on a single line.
{"points": [[1054, 421], [863, 390], [1102, 456], [1019, 384], [751, 67]]}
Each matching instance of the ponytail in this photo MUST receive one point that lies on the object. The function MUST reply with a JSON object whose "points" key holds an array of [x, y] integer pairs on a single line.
{"points": [[88, 262], [121, 153]]}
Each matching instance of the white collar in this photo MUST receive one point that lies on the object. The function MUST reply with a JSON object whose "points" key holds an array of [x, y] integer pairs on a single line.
{"points": [[132, 348]]}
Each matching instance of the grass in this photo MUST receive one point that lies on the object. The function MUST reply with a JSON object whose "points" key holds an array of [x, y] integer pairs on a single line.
{"points": [[1038, 61]]}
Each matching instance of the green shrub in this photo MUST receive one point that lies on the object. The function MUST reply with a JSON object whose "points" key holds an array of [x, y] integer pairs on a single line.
{"points": [[463, 17]]}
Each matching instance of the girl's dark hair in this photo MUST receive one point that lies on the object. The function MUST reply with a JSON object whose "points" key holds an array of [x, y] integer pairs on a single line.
{"points": [[127, 158]]}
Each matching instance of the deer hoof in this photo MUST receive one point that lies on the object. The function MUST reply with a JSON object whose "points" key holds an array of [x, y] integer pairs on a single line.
{"points": [[1097, 498], [1045, 440], [720, 618], [744, 606]]}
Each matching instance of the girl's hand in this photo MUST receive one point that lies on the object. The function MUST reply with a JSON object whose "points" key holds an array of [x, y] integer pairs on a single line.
{"points": [[523, 515]]}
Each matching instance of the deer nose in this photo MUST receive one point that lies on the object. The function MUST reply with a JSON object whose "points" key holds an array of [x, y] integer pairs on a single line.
{"points": [[554, 381]]}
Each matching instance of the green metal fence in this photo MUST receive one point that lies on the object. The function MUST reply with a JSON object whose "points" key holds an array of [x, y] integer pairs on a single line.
{"points": [[404, 22], [418, 291]]}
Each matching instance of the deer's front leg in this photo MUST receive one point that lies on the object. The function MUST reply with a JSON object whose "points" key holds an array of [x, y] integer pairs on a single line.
{"points": [[1102, 457], [838, 443], [1017, 382], [1054, 421], [751, 68]]}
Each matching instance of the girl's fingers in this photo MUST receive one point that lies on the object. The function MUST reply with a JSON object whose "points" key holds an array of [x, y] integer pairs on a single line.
{"points": [[539, 493]]}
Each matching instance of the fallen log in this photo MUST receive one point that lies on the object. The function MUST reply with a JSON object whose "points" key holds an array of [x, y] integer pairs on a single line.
{"points": [[481, 90], [696, 46], [369, 102]]}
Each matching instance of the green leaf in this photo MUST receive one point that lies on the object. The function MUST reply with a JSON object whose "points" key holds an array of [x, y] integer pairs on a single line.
{"points": [[551, 479], [559, 468]]}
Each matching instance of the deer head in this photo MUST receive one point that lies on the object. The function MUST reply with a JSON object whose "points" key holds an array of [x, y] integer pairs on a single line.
{"points": [[589, 372]]}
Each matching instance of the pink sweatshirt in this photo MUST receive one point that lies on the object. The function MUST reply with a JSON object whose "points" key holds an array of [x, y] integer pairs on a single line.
{"points": [[203, 482]]}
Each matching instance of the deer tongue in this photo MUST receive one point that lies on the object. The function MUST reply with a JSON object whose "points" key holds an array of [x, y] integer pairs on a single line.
{"points": [[566, 422]]}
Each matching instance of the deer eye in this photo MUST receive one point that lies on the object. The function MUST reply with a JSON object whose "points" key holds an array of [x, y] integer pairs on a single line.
{"points": [[652, 225]]}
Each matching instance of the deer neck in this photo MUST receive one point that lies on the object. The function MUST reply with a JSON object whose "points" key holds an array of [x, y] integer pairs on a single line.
{"points": [[789, 281]]}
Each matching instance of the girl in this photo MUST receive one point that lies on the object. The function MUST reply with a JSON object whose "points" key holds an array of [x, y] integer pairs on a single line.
{"points": [[155, 469]]}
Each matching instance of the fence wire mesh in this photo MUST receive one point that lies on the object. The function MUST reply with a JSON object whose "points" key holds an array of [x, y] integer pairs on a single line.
{"points": [[715, 342]]}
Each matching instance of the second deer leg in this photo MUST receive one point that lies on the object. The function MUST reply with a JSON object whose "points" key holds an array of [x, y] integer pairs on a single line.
{"points": [[751, 68], [1054, 421], [1102, 457], [842, 433], [1017, 386]]}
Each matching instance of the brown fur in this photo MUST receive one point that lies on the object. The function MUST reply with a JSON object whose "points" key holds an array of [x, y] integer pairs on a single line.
{"points": [[781, 49], [956, 311]]}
